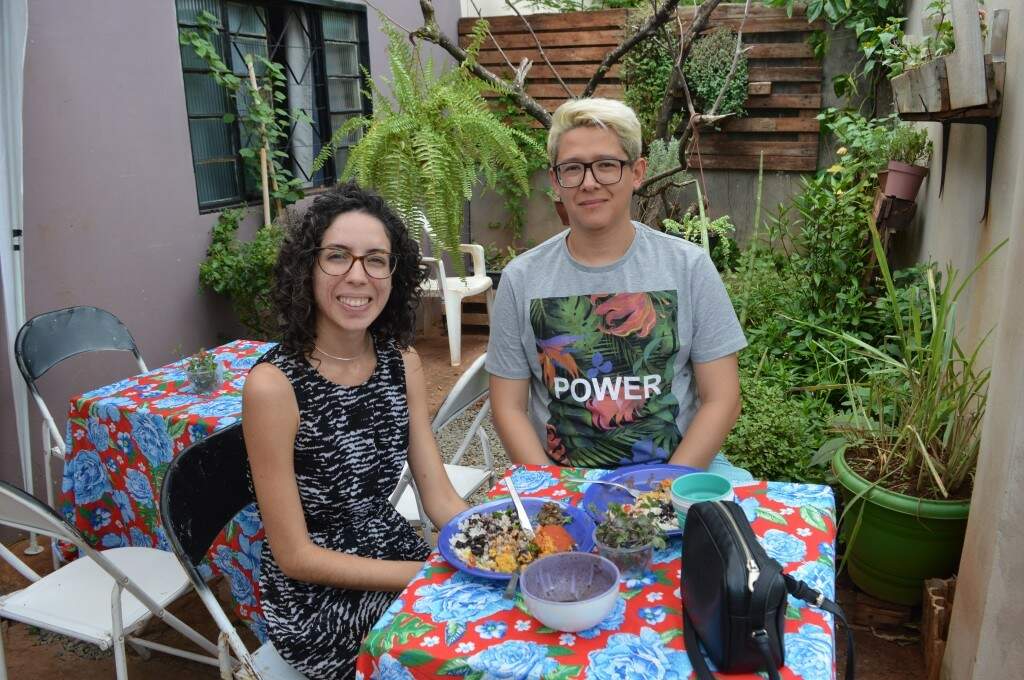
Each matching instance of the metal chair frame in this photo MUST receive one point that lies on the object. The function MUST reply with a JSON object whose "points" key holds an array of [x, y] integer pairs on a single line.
{"points": [[204, 488], [472, 386], [23, 511], [50, 338]]}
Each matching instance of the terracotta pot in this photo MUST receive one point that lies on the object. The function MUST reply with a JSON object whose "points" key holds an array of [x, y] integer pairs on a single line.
{"points": [[903, 181], [562, 213]]}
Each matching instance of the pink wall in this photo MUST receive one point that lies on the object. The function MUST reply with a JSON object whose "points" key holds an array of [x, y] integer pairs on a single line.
{"points": [[111, 216]]}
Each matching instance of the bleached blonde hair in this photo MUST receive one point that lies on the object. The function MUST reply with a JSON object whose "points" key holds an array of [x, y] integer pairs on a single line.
{"points": [[610, 114]]}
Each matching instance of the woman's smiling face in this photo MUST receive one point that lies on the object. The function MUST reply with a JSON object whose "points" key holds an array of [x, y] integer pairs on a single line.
{"points": [[352, 301]]}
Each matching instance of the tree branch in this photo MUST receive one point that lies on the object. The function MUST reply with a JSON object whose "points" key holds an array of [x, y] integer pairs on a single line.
{"points": [[431, 33], [735, 61], [676, 81], [543, 54], [657, 20]]}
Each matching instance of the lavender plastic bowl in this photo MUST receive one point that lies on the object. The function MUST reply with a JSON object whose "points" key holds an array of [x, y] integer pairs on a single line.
{"points": [[570, 591]]}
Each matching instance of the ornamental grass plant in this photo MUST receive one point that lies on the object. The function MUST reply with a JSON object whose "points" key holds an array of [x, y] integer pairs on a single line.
{"points": [[912, 422]]}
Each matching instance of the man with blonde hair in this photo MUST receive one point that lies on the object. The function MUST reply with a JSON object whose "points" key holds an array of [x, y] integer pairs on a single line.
{"points": [[623, 336]]}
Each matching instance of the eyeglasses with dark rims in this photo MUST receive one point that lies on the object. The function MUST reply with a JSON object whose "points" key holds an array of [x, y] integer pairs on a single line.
{"points": [[335, 261], [604, 171]]}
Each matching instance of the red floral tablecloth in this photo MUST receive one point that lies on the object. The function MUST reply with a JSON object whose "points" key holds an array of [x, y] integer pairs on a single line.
{"points": [[120, 440], [446, 623]]}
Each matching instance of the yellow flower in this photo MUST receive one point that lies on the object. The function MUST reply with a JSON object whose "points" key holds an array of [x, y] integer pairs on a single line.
{"points": [[841, 151], [839, 192], [834, 169]]}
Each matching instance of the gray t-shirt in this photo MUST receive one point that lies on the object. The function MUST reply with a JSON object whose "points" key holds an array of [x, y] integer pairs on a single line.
{"points": [[609, 350]]}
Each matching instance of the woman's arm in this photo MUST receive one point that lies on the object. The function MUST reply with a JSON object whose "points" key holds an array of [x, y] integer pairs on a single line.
{"points": [[509, 401], [440, 499], [270, 420], [718, 384]]}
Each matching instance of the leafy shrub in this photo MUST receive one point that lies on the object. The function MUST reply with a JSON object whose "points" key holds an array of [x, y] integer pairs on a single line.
{"points": [[777, 432], [719, 231], [707, 67], [244, 270]]}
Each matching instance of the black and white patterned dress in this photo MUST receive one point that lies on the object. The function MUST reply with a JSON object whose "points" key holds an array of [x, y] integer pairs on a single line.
{"points": [[349, 451]]}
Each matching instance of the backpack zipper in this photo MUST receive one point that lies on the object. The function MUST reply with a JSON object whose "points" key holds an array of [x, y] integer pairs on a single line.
{"points": [[753, 571]]}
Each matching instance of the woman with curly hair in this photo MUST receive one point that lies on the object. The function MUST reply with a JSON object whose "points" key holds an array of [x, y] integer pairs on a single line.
{"points": [[330, 416]]}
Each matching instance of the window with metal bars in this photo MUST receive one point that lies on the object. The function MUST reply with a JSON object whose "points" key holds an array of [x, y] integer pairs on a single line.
{"points": [[322, 47]]}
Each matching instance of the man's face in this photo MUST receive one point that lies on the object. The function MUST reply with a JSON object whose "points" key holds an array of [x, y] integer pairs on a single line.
{"points": [[593, 205]]}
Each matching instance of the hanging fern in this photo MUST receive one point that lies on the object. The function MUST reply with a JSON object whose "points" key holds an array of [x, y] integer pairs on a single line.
{"points": [[428, 143]]}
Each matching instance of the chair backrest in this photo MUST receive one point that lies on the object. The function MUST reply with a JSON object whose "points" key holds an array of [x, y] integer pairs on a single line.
{"points": [[50, 338], [471, 386], [204, 488], [24, 511]]}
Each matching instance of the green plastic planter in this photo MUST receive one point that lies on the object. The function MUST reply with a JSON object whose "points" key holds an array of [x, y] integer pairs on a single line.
{"points": [[901, 541]]}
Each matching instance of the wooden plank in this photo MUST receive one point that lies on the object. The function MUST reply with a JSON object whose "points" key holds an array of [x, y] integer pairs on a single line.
{"points": [[799, 50], [965, 67], [786, 74], [785, 101], [730, 11], [514, 41], [720, 145], [721, 162], [548, 91], [767, 25], [557, 55], [763, 87], [570, 21], [792, 124], [540, 71]]}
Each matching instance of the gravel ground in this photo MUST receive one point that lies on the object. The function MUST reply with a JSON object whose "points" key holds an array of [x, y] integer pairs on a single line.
{"points": [[451, 437]]}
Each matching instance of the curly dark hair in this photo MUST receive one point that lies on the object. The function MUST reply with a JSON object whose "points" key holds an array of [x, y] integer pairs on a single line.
{"points": [[293, 288]]}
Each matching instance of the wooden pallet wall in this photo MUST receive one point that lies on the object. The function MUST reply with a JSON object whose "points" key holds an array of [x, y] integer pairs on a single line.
{"points": [[785, 79]]}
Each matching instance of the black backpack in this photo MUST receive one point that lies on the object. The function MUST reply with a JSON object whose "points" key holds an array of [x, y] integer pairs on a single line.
{"points": [[734, 595]]}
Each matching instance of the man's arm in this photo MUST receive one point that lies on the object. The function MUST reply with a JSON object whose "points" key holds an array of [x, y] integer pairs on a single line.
{"points": [[509, 400], [718, 385]]}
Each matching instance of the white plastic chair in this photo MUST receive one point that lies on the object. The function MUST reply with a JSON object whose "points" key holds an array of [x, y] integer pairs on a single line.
{"points": [[86, 599], [204, 488], [470, 388], [452, 289], [50, 338]]}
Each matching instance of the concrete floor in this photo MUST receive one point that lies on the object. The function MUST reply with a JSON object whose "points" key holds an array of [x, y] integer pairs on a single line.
{"points": [[33, 654]]}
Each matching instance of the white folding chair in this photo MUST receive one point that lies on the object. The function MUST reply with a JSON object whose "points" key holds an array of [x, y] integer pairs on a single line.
{"points": [[452, 289], [86, 599], [204, 488], [50, 338], [470, 388]]}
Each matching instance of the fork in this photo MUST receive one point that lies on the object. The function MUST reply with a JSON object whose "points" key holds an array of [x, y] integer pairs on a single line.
{"points": [[524, 521], [632, 492]]}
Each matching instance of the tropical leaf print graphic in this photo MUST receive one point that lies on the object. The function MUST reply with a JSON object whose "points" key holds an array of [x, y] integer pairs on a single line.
{"points": [[607, 362]]}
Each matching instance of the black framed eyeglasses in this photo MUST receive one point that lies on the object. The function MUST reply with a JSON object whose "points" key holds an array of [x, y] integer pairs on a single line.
{"points": [[604, 170], [335, 261]]}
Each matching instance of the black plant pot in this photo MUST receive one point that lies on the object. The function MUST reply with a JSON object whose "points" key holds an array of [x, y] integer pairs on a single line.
{"points": [[495, 277]]}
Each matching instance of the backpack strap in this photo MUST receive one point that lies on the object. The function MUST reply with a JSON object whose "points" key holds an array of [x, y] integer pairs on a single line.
{"points": [[700, 666], [802, 591]]}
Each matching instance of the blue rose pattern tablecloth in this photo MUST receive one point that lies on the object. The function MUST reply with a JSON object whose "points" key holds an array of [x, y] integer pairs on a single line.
{"points": [[120, 440], [446, 623]]}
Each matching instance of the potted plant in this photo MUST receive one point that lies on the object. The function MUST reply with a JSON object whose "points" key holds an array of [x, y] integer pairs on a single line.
{"points": [[496, 259], [204, 373], [944, 71], [431, 141], [908, 444], [909, 151], [628, 539]]}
